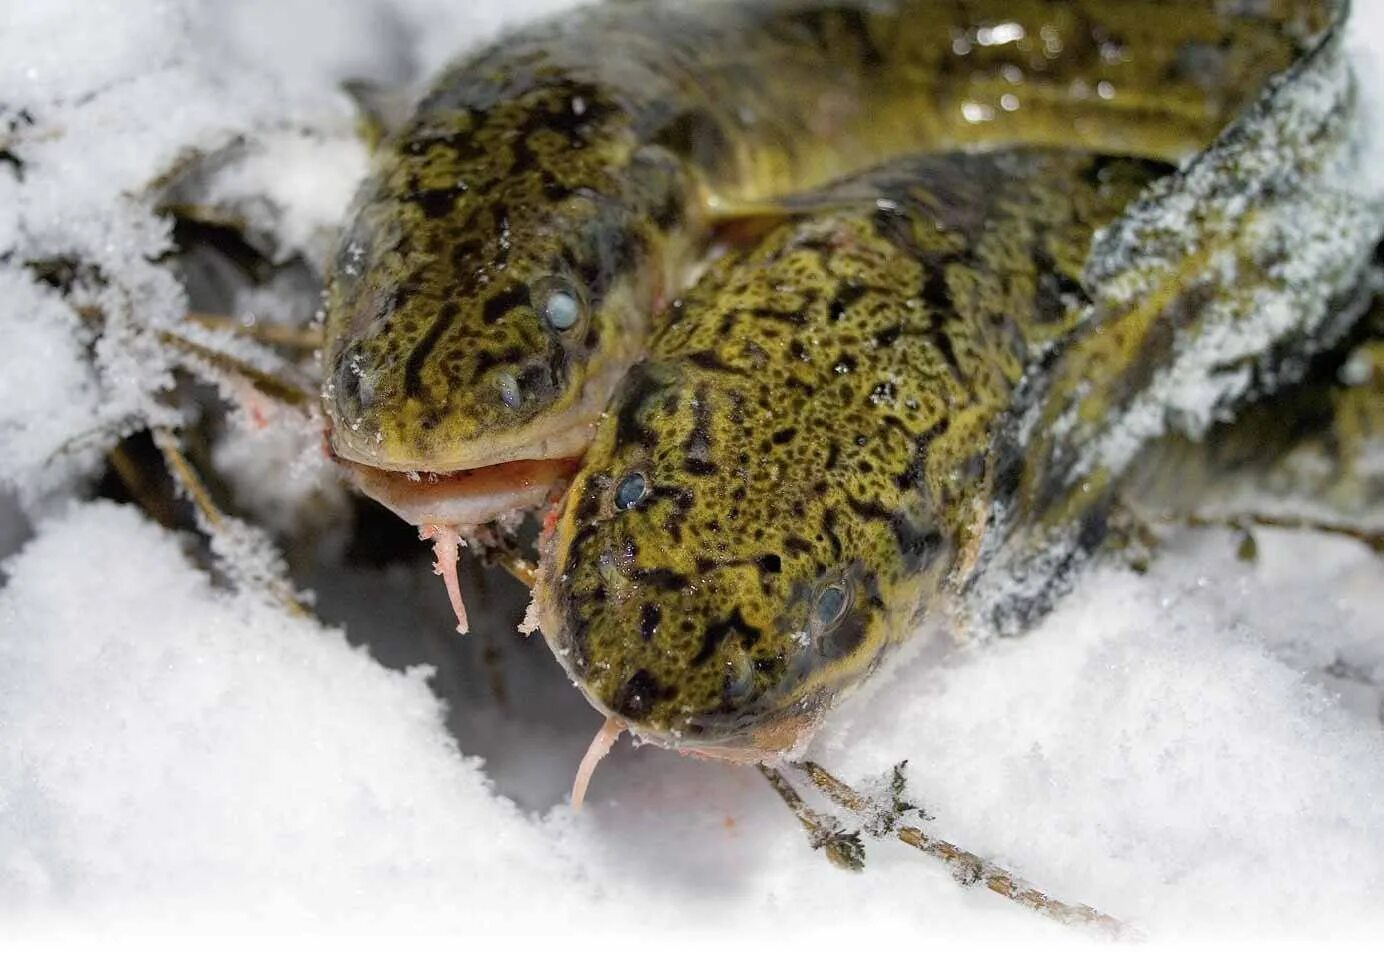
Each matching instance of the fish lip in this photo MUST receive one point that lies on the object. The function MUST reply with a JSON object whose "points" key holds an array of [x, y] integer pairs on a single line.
{"points": [[547, 437], [777, 740], [742, 747], [465, 497], [569, 438], [416, 488]]}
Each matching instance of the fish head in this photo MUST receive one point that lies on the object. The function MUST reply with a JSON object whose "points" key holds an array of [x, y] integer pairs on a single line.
{"points": [[493, 284], [702, 600]]}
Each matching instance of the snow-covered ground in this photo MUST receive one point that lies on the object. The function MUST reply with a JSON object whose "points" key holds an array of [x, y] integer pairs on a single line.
{"points": [[1198, 748]]}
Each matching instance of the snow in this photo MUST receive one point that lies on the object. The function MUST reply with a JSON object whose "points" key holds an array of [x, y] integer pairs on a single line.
{"points": [[293, 185], [1198, 748], [1362, 41], [167, 744], [50, 397], [305, 493], [1184, 721]]}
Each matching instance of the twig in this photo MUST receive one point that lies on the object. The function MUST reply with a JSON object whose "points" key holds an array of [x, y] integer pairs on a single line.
{"points": [[494, 549], [209, 516], [187, 479], [136, 484], [968, 868], [517, 566], [843, 849], [1374, 540], [267, 384], [1008, 885], [303, 339]]}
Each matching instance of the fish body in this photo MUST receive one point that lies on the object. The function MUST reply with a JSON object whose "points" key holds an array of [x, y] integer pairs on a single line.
{"points": [[802, 470], [914, 401], [549, 192]]}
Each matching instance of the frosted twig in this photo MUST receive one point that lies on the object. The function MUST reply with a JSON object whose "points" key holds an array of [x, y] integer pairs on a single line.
{"points": [[187, 479], [843, 849], [1374, 540], [210, 519], [275, 388], [303, 339], [968, 868], [838, 792], [971, 868]]}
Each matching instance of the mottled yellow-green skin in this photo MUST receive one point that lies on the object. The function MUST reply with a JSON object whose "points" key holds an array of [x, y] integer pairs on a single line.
{"points": [[594, 153], [819, 411]]}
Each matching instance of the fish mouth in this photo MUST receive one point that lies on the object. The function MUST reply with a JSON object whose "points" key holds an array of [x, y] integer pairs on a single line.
{"points": [[764, 740], [548, 439], [465, 498], [760, 741], [477, 480], [772, 741]]}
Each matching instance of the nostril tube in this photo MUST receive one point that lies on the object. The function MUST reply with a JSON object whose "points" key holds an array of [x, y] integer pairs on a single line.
{"points": [[636, 697], [351, 392], [510, 395], [354, 386]]}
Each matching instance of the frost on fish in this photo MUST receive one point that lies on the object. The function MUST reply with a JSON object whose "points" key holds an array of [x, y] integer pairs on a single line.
{"points": [[1312, 455], [1224, 278], [1274, 206]]}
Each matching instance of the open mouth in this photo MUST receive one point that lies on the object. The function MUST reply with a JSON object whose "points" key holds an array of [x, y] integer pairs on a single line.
{"points": [[461, 506], [451, 508], [465, 498]]}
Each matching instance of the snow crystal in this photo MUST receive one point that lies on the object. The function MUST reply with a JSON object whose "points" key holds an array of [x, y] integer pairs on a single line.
{"points": [[292, 185], [279, 475], [49, 394]]}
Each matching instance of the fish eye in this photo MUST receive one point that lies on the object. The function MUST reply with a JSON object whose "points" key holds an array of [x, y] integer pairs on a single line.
{"points": [[630, 491], [831, 606], [558, 303]]}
